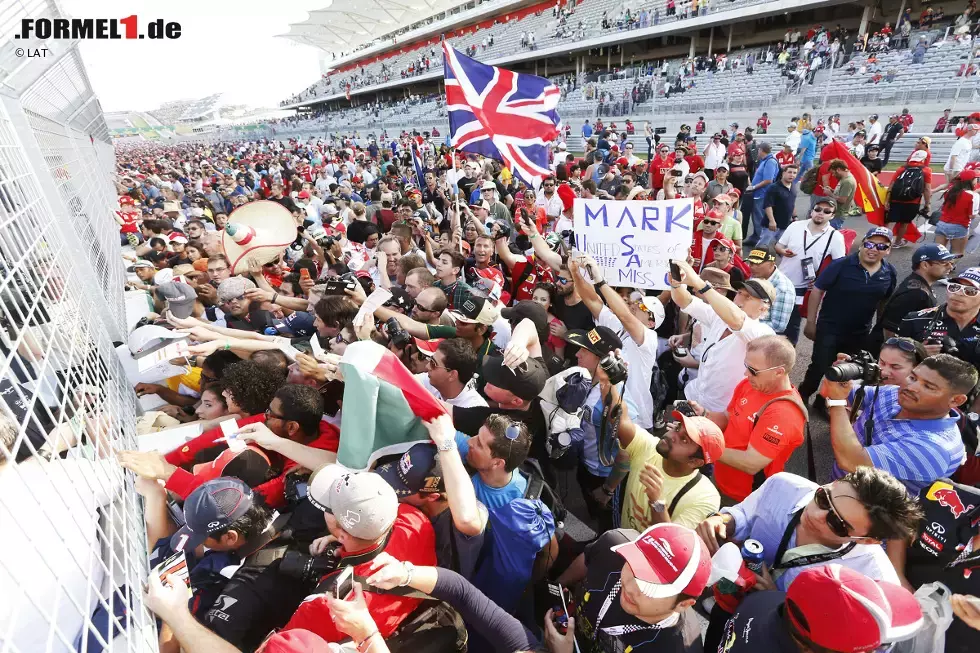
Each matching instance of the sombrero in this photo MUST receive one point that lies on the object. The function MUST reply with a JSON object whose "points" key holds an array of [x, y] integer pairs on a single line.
{"points": [[259, 230]]}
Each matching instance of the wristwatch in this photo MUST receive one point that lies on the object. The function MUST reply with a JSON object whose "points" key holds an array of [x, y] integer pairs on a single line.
{"points": [[707, 287], [599, 284], [658, 505], [447, 445], [836, 402]]}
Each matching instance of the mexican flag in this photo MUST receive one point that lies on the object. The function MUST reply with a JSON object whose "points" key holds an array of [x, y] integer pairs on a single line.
{"points": [[384, 406]]}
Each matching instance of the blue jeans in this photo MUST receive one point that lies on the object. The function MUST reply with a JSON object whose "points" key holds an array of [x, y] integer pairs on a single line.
{"points": [[758, 221], [767, 236], [804, 166]]}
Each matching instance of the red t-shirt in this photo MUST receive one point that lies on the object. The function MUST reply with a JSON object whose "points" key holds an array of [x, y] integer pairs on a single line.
{"points": [[695, 161], [735, 149], [659, 167], [412, 539], [699, 212], [960, 212], [784, 158], [539, 274], [777, 433], [763, 123], [128, 225]]}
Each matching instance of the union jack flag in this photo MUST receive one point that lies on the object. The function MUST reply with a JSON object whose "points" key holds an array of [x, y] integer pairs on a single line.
{"points": [[417, 163], [501, 114]]}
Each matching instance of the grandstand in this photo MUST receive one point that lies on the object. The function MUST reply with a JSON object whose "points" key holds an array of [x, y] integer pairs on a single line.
{"points": [[598, 53]]}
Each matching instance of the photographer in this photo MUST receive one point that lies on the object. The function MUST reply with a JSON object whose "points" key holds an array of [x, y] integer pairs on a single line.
{"points": [[728, 326], [951, 328], [362, 513], [908, 432], [525, 271]]}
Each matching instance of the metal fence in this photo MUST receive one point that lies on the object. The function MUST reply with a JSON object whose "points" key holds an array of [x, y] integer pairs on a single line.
{"points": [[73, 544]]}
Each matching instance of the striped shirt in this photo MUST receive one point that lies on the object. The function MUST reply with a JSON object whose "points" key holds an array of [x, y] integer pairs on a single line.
{"points": [[916, 452]]}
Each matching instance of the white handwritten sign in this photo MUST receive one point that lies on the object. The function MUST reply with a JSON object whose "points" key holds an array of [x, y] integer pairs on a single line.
{"points": [[633, 241]]}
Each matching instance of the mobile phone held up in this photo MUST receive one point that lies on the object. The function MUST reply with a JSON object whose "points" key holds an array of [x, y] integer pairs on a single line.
{"points": [[675, 272], [338, 286], [343, 584], [559, 609]]}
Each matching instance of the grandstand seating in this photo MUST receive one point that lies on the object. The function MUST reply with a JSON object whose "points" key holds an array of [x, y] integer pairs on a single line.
{"points": [[584, 22]]}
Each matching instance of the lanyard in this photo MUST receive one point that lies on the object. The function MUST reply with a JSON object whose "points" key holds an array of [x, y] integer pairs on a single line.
{"points": [[625, 629], [806, 231], [805, 560]]}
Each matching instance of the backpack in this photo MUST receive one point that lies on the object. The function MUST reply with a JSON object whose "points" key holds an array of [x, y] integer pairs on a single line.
{"points": [[432, 628], [515, 533], [909, 185], [808, 183]]}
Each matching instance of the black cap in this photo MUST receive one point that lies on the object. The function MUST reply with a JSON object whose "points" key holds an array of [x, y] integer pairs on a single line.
{"points": [[418, 470], [524, 381], [600, 340], [527, 309], [212, 508]]}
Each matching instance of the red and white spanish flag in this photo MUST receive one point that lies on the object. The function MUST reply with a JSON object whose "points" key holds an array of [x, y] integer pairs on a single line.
{"points": [[384, 405]]}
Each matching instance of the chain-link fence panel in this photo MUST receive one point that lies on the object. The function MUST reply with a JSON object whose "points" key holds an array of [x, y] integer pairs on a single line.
{"points": [[72, 539]]}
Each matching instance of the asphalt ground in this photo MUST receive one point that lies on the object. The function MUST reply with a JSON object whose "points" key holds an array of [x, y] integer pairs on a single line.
{"points": [[581, 528]]}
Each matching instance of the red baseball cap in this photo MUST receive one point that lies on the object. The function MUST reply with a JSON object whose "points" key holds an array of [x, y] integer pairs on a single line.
{"points": [[623, 161], [822, 598], [303, 195], [667, 560], [715, 214], [726, 242], [706, 433], [427, 347], [125, 200], [969, 175]]}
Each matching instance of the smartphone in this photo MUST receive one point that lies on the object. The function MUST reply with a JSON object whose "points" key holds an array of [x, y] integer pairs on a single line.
{"points": [[676, 173], [559, 611], [338, 286], [304, 273], [343, 584], [176, 567], [675, 272], [680, 352]]}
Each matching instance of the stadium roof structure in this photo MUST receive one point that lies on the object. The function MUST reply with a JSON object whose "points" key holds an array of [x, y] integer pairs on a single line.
{"points": [[348, 25]]}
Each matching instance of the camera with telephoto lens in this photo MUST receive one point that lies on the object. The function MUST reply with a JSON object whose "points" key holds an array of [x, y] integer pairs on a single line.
{"points": [[862, 367], [614, 367], [307, 568], [398, 336]]}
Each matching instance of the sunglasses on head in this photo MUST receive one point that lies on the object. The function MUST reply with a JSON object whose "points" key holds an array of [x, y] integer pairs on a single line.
{"points": [[959, 288], [835, 522], [881, 247]]}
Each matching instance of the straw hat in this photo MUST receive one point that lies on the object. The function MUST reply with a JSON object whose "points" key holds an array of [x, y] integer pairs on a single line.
{"points": [[258, 230]]}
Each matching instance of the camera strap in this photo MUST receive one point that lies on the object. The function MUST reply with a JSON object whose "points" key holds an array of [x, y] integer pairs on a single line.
{"points": [[807, 559]]}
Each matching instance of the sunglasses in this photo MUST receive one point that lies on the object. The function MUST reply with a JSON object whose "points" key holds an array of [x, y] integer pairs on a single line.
{"points": [[881, 247], [423, 308], [754, 372], [824, 211], [562, 281], [959, 288], [905, 344], [835, 522], [711, 222]]}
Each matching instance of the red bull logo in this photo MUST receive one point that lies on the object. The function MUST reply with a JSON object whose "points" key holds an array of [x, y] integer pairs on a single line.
{"points": [[949, 498]]}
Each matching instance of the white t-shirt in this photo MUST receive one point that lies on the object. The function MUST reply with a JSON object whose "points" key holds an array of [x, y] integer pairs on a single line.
{"points": [[468, 398], [793, 140], [51, 547], [552, 207], [961, 150], [714, 155], [642, 360], [874, 133], [723, 359], [798, 238]]}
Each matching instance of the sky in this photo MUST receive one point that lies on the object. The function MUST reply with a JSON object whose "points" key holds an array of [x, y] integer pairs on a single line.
{"points": [[226, 46]]}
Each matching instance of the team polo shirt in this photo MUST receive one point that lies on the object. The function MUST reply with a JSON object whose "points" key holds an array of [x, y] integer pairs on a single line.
{"points": [[758, 625], [694, 507], [852, 294], [915, 451], [775, 435]]}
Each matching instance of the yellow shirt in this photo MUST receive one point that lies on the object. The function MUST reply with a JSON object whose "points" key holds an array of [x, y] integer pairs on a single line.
{"points": [[696, 504], [187, 384]]}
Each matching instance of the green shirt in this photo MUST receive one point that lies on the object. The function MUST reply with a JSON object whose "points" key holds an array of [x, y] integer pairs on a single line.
{"points": [[845, 189]]}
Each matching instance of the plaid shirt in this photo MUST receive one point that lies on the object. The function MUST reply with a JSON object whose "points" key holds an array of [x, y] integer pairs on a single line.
{"points": [[782, 308], [915, 451]]}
